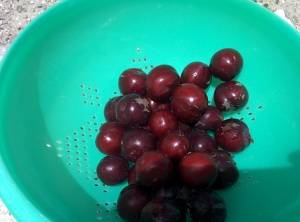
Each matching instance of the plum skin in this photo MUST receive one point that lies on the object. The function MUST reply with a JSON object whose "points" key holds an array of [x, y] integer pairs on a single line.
{"points": [[109, 138], [206, 205], [112, 170], [230, 95], [233, 135], [228, 172], [161, 82], [226, 64], [133, 80], [197, 170], [154, 169], [131, 202], [188, 102], [166, 210], [132, 110], [135, 142]]}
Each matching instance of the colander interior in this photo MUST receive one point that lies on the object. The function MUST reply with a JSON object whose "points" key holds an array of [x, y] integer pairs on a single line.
{"points": [[63, 68]]}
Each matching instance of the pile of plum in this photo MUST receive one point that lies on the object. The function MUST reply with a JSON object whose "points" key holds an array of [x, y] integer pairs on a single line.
{"points": [[172, 147]]}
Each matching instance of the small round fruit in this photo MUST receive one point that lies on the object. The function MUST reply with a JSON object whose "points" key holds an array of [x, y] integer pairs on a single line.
{"points": [[230, 95], [108, 140], [135, 142], [131, 202], [162, 210], [161, 122], [133, 80], [226, 64], [200, 141], [197, 73], [133, 110], [197, 170], [188, 102], [233, 135], [161, 82], [228, 172], [110, 109], [206, 205], [175, 145], [112, 170], [210, 119], [154, 169]]}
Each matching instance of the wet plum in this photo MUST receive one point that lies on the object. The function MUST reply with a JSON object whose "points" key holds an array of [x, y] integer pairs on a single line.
{"points": [[197, 170], [133, 80], [110, 109], [188, 102], [161, 82], [112, 170], [185, 128], [131, 202], [197, 73], [135, 142], [233, 135], [210, 119], [154, 169], [108, 140], [175, 145], [230, 95], [162, 210], [207, 206], [200, 141], [228, 172], [154, 105], [133, 110], [226, 64], [161, 122]]}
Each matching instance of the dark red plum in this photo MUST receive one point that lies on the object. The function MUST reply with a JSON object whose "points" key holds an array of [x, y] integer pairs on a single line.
{"points": [[226, 64], [112, 170], [188, 102], [133, 110], [210, 119], [206, 205], [233, 135], [154, 169], [131, 202], [161, 82], [135, 142], [228, 172], [200, 141], [185, 128], [133, 80], [161, 122], [108, 140], [175, 145], [197, 170], [110, 109], [154, 105], [174, 190], [197, 73], [230, 95], [162, 210], [132, 175]]}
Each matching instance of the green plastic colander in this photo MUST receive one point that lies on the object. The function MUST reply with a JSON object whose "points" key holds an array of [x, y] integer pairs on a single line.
{"points": [[62, 69]]}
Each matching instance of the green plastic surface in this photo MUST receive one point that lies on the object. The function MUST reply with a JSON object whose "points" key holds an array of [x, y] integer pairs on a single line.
{"points": [[62, 69]]}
